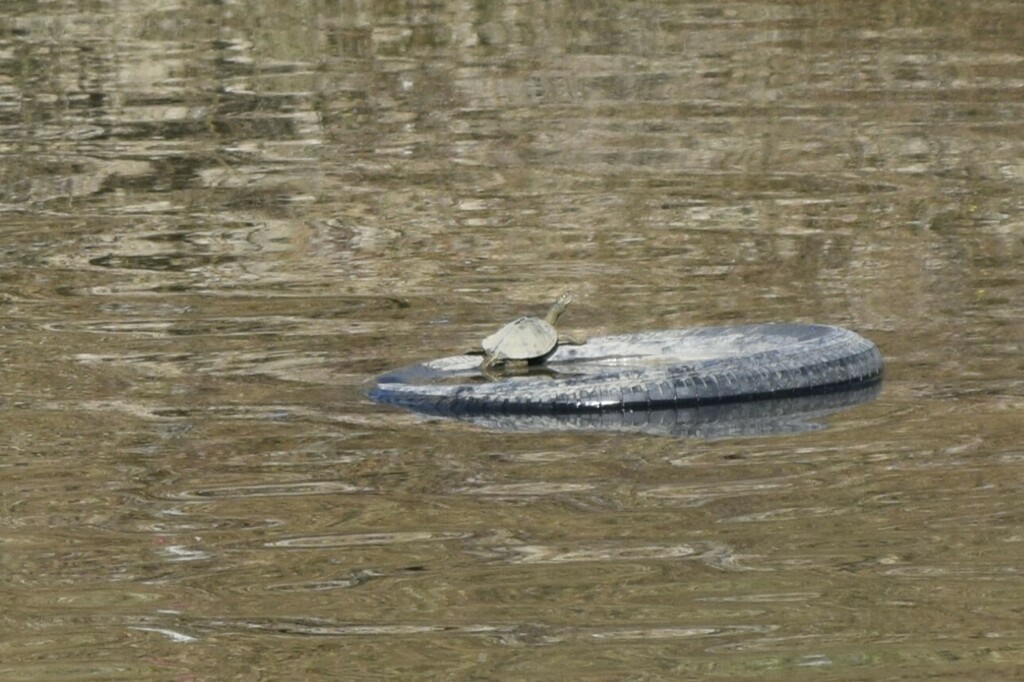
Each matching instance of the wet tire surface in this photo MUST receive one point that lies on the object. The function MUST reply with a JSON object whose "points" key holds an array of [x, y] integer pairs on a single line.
{"points": [[648, 370]]}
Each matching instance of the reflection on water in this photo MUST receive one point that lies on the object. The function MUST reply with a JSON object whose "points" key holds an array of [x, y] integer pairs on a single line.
{"points": [[220, 219]]}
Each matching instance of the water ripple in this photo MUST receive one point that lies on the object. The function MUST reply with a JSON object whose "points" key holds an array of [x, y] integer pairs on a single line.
{"points": [[269, 490], [363, 539]]}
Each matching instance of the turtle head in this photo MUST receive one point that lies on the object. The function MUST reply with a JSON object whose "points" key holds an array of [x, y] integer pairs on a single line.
{"points": [[557, 308]]}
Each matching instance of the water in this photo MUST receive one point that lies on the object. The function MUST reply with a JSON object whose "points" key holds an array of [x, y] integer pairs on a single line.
{"points": [[219, 220]]}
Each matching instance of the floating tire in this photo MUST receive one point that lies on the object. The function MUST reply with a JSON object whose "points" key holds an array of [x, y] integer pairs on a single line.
{"points": [[769, 417], [647, 371]]}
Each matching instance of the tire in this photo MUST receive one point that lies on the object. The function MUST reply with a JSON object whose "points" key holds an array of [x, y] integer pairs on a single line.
{"points": [[776, 416], [647, 371]]}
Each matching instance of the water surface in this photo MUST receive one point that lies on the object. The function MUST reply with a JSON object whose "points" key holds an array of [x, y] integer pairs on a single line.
{"points": [[219, 220]]}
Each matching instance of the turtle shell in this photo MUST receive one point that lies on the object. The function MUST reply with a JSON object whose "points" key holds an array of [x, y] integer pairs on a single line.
{"points": [[527, 338]]}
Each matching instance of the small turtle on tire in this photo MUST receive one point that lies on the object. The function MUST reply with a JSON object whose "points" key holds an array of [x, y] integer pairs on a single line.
{"points": [[526, 341]]}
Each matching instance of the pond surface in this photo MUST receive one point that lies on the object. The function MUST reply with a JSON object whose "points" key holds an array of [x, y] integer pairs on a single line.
{"points": [[218, 221]]}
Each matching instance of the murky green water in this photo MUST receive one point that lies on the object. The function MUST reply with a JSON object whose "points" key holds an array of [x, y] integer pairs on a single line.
{"points": [[219, 220]]}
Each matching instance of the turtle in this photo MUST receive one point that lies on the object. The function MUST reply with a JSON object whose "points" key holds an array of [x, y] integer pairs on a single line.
{"points": [[526, 341]]}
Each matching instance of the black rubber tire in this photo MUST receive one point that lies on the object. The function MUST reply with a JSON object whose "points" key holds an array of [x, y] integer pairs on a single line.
{"points": [[650, 370], [775, 416]]}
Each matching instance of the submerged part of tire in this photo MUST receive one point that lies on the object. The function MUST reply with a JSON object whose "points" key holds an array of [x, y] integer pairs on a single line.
{"points": [[768, 417], [647, 371]]}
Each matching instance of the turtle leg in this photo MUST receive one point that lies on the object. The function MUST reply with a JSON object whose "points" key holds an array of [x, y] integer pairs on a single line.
{"points": [[498, 366], [497, 363], [494, 367], [567, 340]]}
